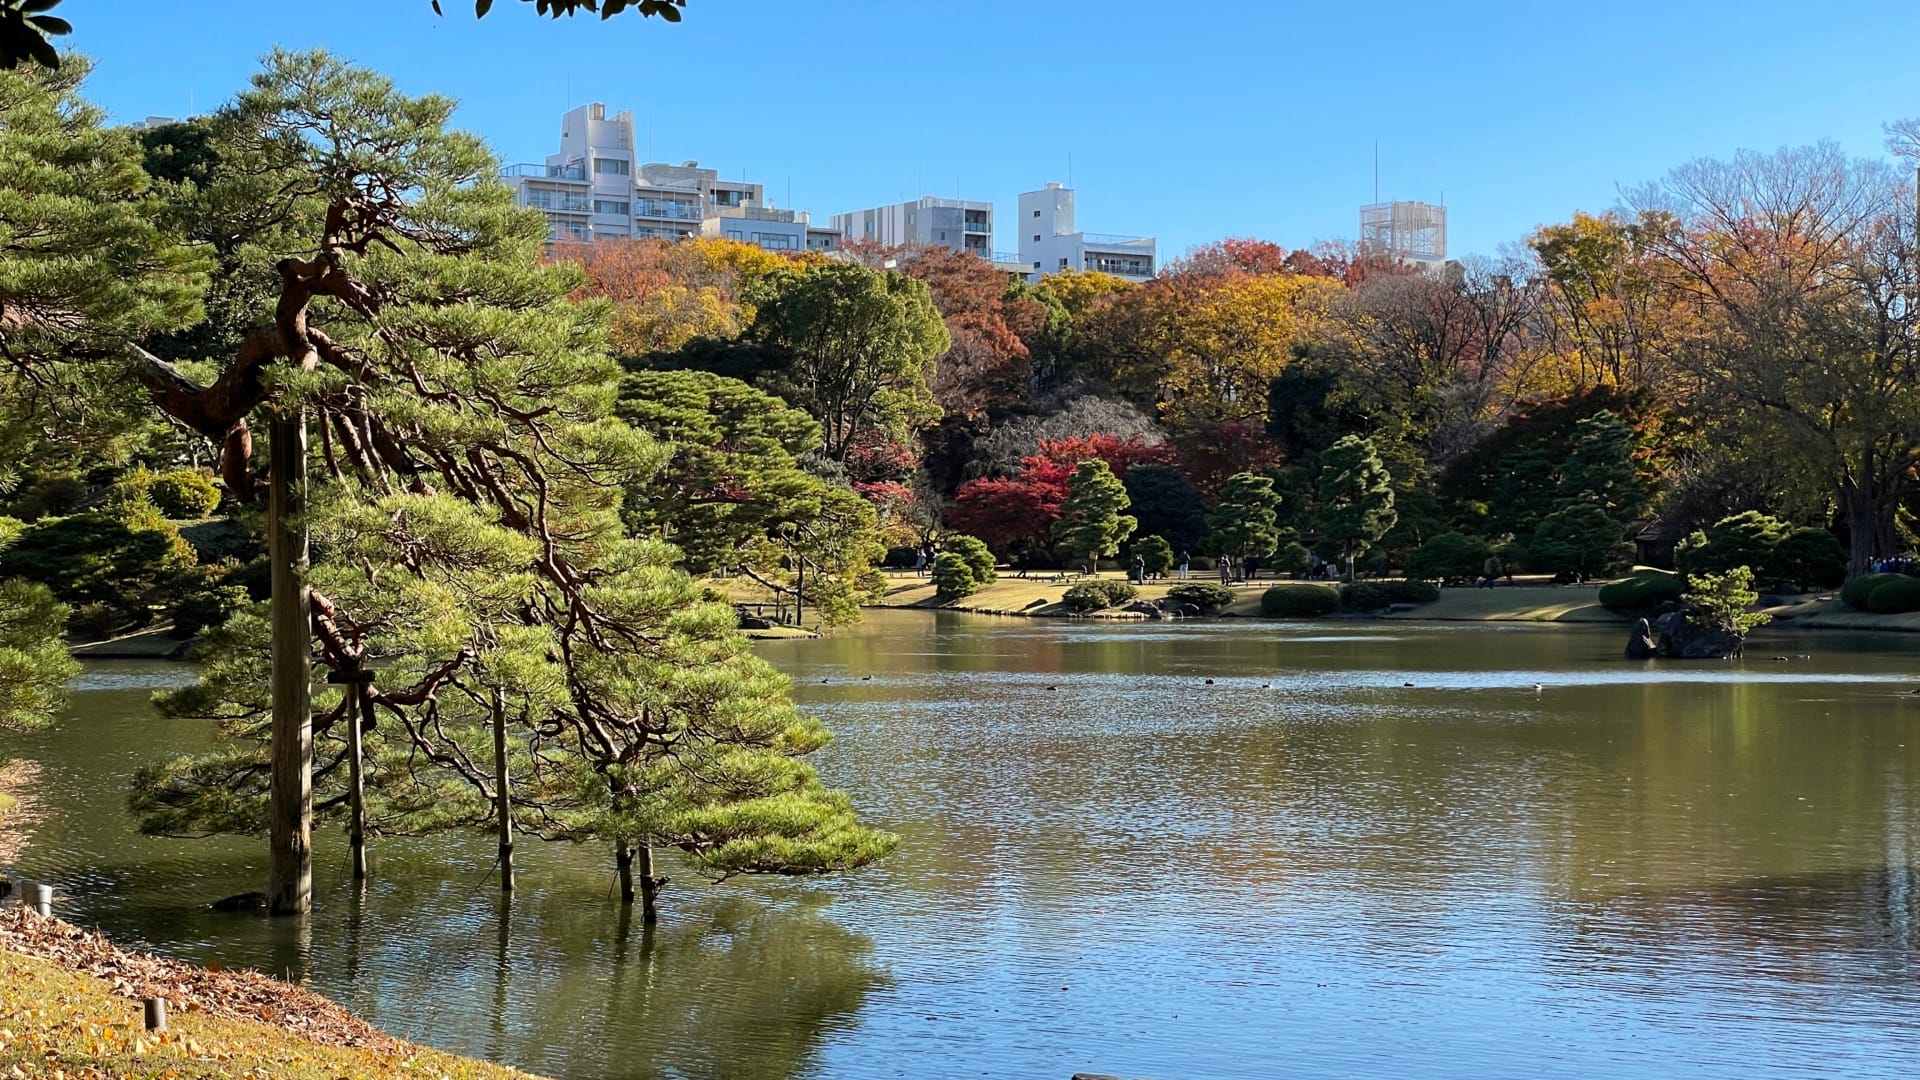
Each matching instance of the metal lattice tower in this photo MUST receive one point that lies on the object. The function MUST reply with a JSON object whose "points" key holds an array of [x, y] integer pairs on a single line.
{"points": [[1408, 231]]}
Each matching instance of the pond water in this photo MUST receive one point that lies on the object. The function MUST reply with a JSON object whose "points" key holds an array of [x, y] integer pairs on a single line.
{"points": [[1361, 850]]}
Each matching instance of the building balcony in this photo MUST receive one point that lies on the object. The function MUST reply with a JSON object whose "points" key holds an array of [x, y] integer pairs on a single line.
{"points": [[1112, 240], [575, 173]]}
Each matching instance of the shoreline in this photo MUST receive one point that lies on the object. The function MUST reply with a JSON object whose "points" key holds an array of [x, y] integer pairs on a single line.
{"points": [[1525, 602], [74, 1000]]}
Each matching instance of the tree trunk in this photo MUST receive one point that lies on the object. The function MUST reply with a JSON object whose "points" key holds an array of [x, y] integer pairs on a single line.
{"points": [[1863, 529], [623, 859], [649, 886], [502, 795], [290, 856]]}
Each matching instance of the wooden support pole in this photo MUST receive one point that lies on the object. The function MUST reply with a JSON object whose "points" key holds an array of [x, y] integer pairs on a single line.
{"points": [[503, 789], [39, 897], [355, 678], [156, 1013]]}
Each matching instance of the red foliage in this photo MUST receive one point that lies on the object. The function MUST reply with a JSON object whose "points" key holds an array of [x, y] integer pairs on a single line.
{"points": [[873, 458], [1017, 513], [1214, 453]]}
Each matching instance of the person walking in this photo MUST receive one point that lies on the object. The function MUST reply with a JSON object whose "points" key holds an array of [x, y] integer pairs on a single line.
{"points": [[1140, 569], [1225, 566], [1185, 562]]}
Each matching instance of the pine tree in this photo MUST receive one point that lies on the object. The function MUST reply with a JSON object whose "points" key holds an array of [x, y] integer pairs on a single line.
{"points": [[1356, 498], [1091, 519], [470, 476], [1244, 523], [34, 665]]}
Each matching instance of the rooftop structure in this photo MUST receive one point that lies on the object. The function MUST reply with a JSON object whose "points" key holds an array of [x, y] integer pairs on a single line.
{"points": [[1413, 232], [1050, 243]]}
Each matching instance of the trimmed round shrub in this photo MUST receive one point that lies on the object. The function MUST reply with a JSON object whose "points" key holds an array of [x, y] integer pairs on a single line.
{"points": [[1097, 595], [1291, 557], [1450, 556], [1642, 590], [1156, 553], [979, 558], [1811, 557], [1205, 595], [1299, 600], [1745, 539], [183, 493], [953, 577], [899, 558], [1854, 593], [1896, 597], [1364, 596], [1409, 591]]}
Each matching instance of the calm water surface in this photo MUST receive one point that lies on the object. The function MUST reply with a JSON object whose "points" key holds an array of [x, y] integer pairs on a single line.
{"points": [[1362, 850]]}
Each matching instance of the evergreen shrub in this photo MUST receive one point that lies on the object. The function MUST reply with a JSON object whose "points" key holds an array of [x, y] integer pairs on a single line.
{"points": [[1642, 590], [1299, 600], [1205, 595], [1897, 596], [1097, 595], [1854, 593], [953, 577]]}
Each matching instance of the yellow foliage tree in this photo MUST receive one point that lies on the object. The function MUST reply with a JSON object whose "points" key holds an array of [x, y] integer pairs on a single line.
{"points": [[1227, 340]]}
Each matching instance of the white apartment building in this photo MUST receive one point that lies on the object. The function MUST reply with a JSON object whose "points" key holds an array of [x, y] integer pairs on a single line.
{"points": [[1050, 243], [596, 187], [960, 224], [773, 229]]}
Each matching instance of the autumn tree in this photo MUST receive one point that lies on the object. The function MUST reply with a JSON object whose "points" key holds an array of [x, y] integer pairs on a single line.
{"points": [[668, 294], [859, 346], [1091, 519], [1802, 263]]}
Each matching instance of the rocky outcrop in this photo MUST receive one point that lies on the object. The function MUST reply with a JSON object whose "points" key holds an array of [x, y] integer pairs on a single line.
{"points": [[1681, 639]]}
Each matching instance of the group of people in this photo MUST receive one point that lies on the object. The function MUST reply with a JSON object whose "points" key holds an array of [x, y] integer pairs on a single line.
{"points": [[1897, 564]]}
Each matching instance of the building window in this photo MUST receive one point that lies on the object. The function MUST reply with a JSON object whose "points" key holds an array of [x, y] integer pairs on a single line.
{"points": [[610, 206], [1036, 213], [613, 166], [1036, 264], [1036, 238]]}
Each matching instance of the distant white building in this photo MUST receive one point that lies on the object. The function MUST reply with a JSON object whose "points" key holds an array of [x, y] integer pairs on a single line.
{"points": [[960, 224], [1050, 241], [775, 230], [1411, 232], [597, 188]]}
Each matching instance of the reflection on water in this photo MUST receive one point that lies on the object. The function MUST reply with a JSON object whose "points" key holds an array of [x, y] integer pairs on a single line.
{"points": [[1444, 851]]}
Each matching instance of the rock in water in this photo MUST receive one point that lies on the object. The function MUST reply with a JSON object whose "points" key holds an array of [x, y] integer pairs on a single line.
{"points": [[1642, 645], [1684, 640], [246, 901]]}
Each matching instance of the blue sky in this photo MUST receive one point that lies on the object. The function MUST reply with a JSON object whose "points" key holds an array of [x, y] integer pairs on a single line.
{"points": [[1254, 119]]}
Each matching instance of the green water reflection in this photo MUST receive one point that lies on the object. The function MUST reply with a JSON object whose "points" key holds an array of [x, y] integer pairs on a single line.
{"points": [[1362, 849]]}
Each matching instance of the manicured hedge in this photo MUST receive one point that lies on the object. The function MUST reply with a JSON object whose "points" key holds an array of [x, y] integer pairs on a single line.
{"points": [[1854, 593], [1896, 597], [1300, 600], [1205, 595], [1097, 595], [1642, 590]]}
